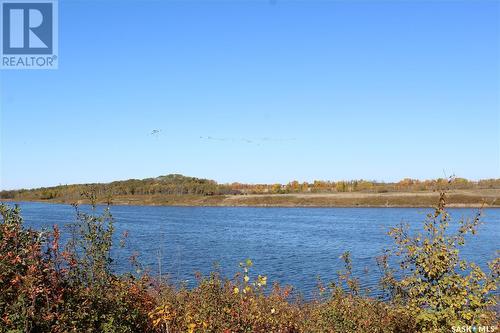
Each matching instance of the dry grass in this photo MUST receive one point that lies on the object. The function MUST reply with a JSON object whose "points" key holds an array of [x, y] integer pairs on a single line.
{"points": [[457, 198]]}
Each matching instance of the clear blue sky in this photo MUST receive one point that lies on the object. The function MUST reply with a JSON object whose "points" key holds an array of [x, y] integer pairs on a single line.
{"points": [[259, 91]]}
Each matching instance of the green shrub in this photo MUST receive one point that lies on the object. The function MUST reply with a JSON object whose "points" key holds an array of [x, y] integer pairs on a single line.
{"points": [[436, 287]]}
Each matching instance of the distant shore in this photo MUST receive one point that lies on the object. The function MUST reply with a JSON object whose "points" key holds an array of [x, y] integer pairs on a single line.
{"points": [[456, 198]]}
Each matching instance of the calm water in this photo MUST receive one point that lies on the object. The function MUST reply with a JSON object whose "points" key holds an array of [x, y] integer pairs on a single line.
{"points": [[289, 245]]}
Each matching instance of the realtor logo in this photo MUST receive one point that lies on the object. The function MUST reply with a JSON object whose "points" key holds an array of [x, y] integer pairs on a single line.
{"points": [[29, 34]]}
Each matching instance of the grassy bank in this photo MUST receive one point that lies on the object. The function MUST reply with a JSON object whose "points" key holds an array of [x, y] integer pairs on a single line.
{"points": [[46, 286], [179, 190], [456, 198]]}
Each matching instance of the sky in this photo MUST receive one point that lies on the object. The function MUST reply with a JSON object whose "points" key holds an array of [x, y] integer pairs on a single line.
{"points": [[258, 92]]}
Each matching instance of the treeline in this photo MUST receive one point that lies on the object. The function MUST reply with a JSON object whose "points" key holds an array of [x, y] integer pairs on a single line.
{"points": [[404, 185], [170, 184], [175, 184]]}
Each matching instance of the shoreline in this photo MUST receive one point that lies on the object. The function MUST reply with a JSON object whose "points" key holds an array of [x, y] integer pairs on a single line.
{"points": [[456, 199]]}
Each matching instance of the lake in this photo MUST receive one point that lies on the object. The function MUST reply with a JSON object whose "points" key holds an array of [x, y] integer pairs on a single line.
{"points": [[289, 245]]}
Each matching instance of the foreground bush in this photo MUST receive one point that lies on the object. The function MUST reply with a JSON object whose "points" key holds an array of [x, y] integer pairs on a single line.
{"points": [[44, 288], [437, 287]]}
